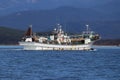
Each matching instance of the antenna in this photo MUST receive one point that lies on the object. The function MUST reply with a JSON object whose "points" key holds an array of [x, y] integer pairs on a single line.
{"points": [[57, 19], [30, 26], [87, 27]]}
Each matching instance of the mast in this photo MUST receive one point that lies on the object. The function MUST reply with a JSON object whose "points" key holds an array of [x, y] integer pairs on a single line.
{"points": [[87, 28], [29, 31]]}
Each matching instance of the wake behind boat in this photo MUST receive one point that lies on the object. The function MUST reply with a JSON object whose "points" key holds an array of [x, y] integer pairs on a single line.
{"points": [[59, 40]]}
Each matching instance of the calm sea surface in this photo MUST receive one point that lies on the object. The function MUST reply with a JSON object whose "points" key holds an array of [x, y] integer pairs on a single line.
{"points": [[17, 64]]}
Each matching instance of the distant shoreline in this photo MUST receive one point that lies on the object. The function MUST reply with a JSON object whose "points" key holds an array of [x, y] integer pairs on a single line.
{"points": [[19, 45]]}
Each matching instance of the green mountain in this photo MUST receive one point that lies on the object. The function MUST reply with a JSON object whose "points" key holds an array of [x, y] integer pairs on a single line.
{"points": [[9, 35], [115, 42]]}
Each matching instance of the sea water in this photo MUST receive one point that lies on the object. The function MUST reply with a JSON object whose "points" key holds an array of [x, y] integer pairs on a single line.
{"points": [[17, 64]]}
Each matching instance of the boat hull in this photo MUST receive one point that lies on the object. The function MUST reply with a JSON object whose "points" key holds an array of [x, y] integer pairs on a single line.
{"points": [[41, 46]]}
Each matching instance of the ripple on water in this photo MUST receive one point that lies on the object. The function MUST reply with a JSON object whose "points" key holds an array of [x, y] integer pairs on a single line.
{"points": [[17, 64]]}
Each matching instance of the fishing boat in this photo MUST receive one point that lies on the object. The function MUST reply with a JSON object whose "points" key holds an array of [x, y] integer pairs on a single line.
{"points": [[59, 40]]}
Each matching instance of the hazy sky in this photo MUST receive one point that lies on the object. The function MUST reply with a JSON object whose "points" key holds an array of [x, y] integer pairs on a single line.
{"points": [[13, 3], [10, 6]]}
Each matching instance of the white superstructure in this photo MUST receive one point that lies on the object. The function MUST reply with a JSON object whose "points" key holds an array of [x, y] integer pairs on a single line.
{"points": [[58, 40]]}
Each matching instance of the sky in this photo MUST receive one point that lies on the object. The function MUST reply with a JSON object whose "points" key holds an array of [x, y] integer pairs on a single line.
{"points": [[15, 3], [111, 8], [11, 6]]}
